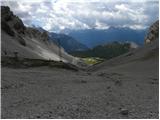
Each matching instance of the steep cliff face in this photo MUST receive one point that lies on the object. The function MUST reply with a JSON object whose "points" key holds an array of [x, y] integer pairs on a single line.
{"points": [[28, 42], [153, 33], [14, 26], [11, 23]]}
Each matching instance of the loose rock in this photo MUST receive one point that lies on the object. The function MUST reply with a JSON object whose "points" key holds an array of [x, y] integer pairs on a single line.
{"points": [[124, 111]]}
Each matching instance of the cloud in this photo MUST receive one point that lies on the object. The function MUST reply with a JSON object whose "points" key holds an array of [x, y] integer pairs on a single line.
{"points": [[57, 15]]}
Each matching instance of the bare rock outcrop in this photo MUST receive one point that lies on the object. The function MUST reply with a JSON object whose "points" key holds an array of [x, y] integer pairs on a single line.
{"points": [[34, 33], [10, 22], [153, 33]]}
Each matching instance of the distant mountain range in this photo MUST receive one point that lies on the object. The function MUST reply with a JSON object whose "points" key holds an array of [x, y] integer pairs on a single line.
{"points": [[94, 37]]}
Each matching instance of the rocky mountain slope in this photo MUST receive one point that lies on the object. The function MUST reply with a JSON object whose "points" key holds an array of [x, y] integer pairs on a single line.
{"points": [[146, 53], [28, 42]]}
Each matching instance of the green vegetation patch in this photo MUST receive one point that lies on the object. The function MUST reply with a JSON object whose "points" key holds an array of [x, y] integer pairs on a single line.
{"points": [[92, 60], [107, 51]]}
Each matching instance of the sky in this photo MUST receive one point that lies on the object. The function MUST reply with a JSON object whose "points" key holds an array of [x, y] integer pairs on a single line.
{"points": [[59, 15]]}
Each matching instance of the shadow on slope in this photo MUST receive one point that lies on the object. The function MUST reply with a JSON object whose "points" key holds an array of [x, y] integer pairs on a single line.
{"points": [[14, 62]]}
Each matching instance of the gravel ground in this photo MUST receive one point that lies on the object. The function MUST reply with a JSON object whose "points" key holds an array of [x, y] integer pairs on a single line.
{"points": [[124, 91]]}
